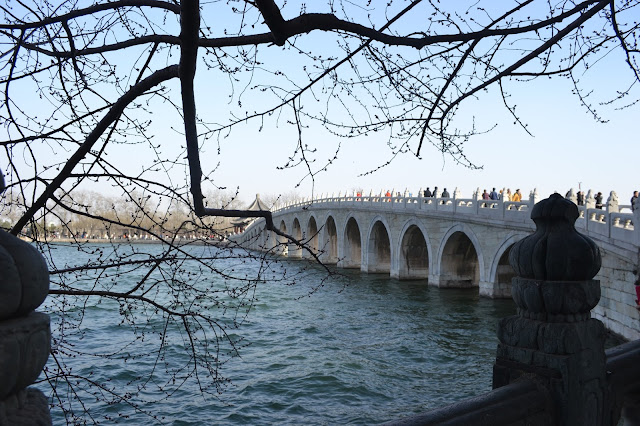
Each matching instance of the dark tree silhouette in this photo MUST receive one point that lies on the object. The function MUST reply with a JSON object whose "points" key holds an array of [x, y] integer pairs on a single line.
{"points": [[82, 81]]}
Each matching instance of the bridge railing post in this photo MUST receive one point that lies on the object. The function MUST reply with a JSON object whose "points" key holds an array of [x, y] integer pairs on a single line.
{"points": [[553, 337], [636, 226], [25, 335]]}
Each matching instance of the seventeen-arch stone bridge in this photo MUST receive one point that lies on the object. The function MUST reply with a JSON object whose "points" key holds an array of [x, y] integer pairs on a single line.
{"points": [[451, 242]]}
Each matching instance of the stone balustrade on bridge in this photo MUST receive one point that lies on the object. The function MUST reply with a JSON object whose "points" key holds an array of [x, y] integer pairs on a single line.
{"points": [[451, 242]]}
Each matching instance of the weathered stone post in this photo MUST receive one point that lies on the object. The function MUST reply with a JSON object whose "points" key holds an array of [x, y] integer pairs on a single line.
{"points": [[553, 339], [25, 336], [612, 203], [590, 201], [636, 230], [572, 196]]}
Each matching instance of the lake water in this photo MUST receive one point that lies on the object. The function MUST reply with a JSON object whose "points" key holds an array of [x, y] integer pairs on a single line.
{"points": [[362, 349]]}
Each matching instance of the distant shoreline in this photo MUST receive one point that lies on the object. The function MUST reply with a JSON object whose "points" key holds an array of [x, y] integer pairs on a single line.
{"points": [[181, 241]]}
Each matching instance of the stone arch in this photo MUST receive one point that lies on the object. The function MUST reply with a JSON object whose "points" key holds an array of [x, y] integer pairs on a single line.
{"points": [[379, 253], [312, 234], [500, 273], [414, 249], [293, 250], [460, 258], [352, 244], [297, 229], [330, 241]]}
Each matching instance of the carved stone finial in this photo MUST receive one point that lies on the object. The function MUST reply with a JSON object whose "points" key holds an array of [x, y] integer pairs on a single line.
{"points": [[612, 202], [553, 336], [556, 251], [24, 277]]}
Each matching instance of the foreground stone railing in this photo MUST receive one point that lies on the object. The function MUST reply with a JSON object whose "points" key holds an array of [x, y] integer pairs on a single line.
{"points": [[526, 402], [551, 367], [512, 404]]}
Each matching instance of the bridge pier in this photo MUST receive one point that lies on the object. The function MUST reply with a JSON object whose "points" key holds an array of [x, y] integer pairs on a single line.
{"points": [[434, 280], [394, 273], [495, 290]]}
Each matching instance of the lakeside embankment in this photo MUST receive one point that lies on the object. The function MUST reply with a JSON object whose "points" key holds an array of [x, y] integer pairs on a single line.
{"points": [[180, 241]]}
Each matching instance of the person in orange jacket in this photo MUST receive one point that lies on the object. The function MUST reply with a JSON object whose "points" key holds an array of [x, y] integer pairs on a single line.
{"points": [[517, 196]]}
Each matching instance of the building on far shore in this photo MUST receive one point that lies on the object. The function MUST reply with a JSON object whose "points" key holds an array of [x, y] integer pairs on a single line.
{"points": [[240, 224]]}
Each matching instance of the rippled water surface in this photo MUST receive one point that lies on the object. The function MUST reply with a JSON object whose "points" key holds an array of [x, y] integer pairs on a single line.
{"points": [[363, 349]]}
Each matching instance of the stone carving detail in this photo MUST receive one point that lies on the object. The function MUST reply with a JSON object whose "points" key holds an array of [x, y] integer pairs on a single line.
{"points": [[477, 195], [24, 282], [456, 193], [572, 196], [25, 348], [555, 301], [556, 251], [590, 201], [612, 202]]}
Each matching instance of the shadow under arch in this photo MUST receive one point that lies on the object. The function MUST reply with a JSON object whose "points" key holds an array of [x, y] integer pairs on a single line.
{"points": [[414, 251], [501, 271], [379, 252], [282, 242], [352, 245], [294, 250], [312, 234], [460, 259], [330, 241]]}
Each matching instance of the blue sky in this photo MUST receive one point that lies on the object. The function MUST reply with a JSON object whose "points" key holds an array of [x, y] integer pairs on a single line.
{"points": [[568, 147]]}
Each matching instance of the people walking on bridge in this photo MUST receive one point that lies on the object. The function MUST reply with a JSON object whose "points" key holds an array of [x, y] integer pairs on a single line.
{"points": [[493, 195], [599, 200], [635, 203], [580, 198], [427, 193], [517, 196], [485, 195], [507, 197], [435, 192], [445, 194]]}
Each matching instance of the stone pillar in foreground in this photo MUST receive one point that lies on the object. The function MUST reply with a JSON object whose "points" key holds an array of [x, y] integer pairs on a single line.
{"points": [[553, 339], [25, 336]]}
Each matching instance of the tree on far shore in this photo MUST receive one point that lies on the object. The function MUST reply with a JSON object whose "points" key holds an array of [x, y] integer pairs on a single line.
{"points": [[88, 84]]}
